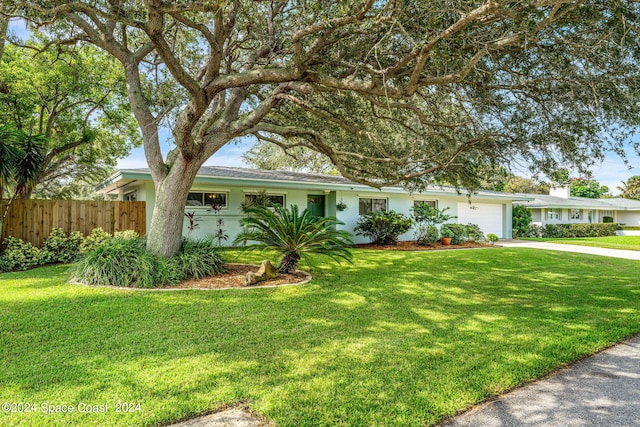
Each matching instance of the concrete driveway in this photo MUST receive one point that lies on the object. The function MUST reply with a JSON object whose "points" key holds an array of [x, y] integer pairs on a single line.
{"points": [[615, 253]]}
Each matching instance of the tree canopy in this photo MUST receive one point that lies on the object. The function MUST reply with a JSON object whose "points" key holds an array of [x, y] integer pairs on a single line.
{"points": [[630, 189], [75, 97], [587, 186], [390, 91]]}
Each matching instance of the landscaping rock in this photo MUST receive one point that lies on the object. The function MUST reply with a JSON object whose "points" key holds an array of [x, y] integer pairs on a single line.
{"points": [[266, 272]]}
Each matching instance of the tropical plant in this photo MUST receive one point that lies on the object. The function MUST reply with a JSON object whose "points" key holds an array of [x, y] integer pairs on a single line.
{"points": [[294, 235], [259, 199], [630, 189], [383, 227]]}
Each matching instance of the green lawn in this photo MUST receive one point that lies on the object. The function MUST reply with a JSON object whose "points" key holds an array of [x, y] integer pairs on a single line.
{"points": [[610, 242], [395, 339]]}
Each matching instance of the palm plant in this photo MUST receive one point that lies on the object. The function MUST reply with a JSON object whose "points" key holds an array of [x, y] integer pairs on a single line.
{"points": [[294, 235]]}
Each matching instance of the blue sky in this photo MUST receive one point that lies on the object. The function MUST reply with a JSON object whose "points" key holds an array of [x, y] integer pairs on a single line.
{"points": [[609, 173]]}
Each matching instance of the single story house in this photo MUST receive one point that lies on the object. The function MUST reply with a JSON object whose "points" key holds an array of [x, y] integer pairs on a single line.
{"points": [[325, 195], [559, 207]]}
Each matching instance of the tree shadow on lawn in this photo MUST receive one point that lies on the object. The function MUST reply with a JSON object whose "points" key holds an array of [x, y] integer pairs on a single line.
{"points": [[393, 339]]}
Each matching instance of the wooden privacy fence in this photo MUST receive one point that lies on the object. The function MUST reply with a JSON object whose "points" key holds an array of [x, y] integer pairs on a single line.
{"points": [[33, 220]]}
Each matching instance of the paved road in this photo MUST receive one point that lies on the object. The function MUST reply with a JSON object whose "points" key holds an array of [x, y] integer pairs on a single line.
{"points": [[603, 390], [616, 253]]}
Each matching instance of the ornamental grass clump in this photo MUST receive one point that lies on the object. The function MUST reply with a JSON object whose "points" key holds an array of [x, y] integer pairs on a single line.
{"points": [[197, 259], [124, 261]]}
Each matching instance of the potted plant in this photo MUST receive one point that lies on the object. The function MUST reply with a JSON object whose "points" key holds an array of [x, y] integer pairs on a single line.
{"points": [[445, 235]]}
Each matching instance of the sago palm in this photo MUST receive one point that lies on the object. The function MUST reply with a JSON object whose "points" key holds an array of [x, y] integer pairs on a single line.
{"points": [[294, 235]]}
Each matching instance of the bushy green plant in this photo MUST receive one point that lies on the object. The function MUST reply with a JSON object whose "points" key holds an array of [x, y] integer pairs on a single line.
{"points": [[607, 219], [446, 231], [294, 235], [426, 216], [427, 234], [383, 228], [197, 259], [459, 233], [59, 247], [95, 238], [474, 233], [124, 261], [521, 219], [572, 230], [19, 255], [492, 237]]}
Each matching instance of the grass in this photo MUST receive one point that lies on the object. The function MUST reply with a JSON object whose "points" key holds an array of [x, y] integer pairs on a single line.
{"points": [[610, 242], [394, 339]]}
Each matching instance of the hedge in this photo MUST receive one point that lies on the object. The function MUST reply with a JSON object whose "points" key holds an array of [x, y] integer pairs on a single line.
{"points": [[573, 230]]}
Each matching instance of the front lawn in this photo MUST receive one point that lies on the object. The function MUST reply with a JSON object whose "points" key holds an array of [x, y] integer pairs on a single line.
{"points": [[610, 242], [398, 338]]}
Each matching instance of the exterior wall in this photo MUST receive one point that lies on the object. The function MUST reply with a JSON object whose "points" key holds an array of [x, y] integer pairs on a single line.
{"points": [[627, 217], [231, 215]]}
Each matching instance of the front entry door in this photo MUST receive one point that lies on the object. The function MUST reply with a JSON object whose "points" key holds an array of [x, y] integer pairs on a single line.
{"points": [[315, 204]]}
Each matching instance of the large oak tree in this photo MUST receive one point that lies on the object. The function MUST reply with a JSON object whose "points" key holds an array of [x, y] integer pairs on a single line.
{"points": [[390, 91]]}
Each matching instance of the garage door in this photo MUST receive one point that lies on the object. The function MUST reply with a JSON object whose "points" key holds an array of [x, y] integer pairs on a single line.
{"points": [[487, 216]]}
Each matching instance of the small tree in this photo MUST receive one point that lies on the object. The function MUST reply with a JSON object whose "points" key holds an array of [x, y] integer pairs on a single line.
{"points": [[521, 219], [294, 235]]}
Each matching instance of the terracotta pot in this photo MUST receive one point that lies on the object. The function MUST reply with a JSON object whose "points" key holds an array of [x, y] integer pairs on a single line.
{"points": [[445, 241]]}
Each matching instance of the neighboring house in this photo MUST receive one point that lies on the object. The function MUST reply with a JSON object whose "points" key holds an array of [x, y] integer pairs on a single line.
{"points": [[228, 187], [560, 208]]}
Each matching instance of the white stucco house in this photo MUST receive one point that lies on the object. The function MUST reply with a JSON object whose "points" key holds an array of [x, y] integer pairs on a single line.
{"points": [[559, 207], [228, 187]]}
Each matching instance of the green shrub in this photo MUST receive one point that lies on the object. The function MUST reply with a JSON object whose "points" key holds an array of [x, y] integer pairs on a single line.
{"points": [[19, 255], [197, 259], [445, 231], [95, 238], [459, 233], [59, 247], [558, 231], [629, 227], [474, 234], [383, 228], [492, 237], [520, 220], [607, 219], [427, 235]]}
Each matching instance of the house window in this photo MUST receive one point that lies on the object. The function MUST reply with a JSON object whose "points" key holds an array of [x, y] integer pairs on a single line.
{"points": [[575, 214], [606, 213], [207, 199], [432, 203], [274, 199], [368, 205], [131, 197], [553, 214]]}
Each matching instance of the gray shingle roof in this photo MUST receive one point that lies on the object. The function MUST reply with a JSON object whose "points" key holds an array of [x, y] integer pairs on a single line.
{"points": [[290, 176]]}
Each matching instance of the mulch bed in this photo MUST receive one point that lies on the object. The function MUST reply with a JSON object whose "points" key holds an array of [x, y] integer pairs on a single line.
{"points": [[234, 278], [412, 246]]}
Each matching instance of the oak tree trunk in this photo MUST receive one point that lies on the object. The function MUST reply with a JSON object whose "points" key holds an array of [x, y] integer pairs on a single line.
{"points": [[164, 235]]}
